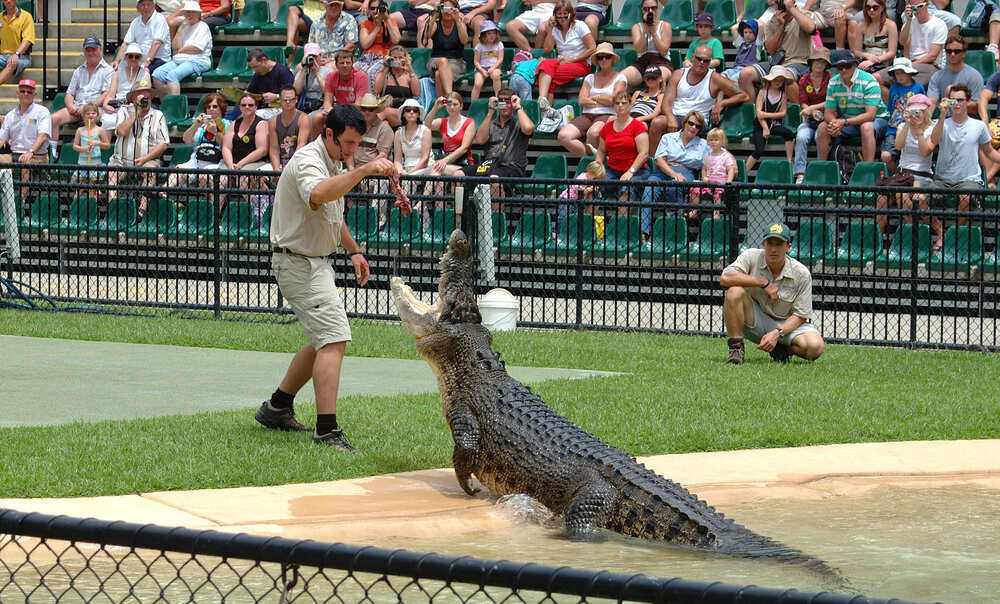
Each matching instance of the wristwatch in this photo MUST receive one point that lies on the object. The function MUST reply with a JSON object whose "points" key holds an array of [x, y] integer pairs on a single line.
{"points": [[781, 332]]}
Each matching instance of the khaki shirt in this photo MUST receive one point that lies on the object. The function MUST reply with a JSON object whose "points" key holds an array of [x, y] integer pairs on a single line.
{"points": [[376, 139], [294, 224], [797, 44], [794, 285]]}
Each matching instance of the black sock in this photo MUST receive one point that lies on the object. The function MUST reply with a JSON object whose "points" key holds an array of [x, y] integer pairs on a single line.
{"points": [[326, 422], [282, 400]]}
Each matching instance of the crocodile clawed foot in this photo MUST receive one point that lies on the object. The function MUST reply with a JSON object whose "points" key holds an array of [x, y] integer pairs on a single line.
{"points": [[467, 487]]}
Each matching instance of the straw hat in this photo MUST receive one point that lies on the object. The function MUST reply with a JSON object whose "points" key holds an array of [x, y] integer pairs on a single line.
{"points": [[370, 101], [140, 86], [604, 48]]}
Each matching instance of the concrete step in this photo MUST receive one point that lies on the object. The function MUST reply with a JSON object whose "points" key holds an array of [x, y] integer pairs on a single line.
{"points": [[97, 15], [81, 30]]}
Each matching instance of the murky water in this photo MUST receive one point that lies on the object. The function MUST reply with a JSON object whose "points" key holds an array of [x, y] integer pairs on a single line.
{"points": [[940, 544], [931, 544]]}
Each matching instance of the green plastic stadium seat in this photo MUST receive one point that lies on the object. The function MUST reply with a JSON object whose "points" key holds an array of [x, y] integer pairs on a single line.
{"points": [[442, 224], [963, 247], [499, 220], [860, 244], [741, 170], [631, 13], [276, 54], [723, 13], [478, 109], [161, 218], [418, 58], [737, 122], [185, 123], [676, 58], [581, 167], [280, 23], [900, 252], [533, 232], [264, 228], [547, 165], [864, 175], [712, 243], [121, 217], [237, 221], [626, 57], [982, 61], [667, 239], [621, 236], [27, 6], [680, 15], [990, 263], [256, 14], [82, 215], [58, 102], [569, 239], [754, 9], [44, 213], [401, 230], [818, 175], [772, 171], [198, 219], [512, 9], [362, 222], [813, 241], [232, 63], [175, 109], [533, 111]]}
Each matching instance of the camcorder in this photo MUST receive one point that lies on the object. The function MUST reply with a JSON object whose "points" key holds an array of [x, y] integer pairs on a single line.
{"points": [[383, 8], [143, 102], [309, 61], [115, 103], [648, 18]]}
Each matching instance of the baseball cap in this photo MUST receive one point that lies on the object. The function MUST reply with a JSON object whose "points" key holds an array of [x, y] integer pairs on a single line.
{"points": [[486, 26], [312, 48], [704, 19], [28, 83], [843, 56], [652, 70], [91, 42], [778, 230], [751, 23], [919, 101]]}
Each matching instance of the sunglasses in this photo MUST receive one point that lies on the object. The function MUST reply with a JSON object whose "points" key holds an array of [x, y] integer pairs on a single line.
{"points": [[649, 9], [692, 123], [603, 57], [248, 104], [873, 7], [702, 59], [368, 109], [954, 51]]}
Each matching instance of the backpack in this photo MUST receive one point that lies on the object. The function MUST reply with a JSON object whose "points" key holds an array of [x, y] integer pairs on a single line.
{"points": [[978, 16], [846, 158]]}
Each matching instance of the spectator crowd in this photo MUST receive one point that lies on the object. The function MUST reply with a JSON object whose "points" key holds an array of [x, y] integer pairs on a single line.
{"points": [[896, 87]]}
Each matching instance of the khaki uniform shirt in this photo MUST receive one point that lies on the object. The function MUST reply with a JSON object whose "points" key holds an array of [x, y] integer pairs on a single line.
{"points": [[376, 139], [794, 285], [294, 224]]}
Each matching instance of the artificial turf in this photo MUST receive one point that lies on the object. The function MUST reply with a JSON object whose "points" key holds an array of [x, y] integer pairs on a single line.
{"points": [[676, 395]]}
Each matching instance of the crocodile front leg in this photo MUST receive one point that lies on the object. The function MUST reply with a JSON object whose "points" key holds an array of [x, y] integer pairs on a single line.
{"points": [[465, 433], [589, 510]]}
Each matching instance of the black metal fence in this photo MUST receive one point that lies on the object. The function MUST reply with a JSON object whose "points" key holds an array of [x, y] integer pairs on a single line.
{"points": [[60, 558], [642, 256]]}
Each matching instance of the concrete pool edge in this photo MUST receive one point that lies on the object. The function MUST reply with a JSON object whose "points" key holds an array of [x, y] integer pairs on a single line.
{"points": [[429, 502]]}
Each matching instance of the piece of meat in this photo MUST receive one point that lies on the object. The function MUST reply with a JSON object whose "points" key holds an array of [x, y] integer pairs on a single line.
{"points": [[402, 201]]}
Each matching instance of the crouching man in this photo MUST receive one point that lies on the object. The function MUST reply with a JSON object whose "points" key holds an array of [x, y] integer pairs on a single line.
{"points": [[769, 301]]}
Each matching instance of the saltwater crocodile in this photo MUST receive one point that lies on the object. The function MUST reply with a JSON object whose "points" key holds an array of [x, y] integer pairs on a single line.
{"points": [[512, 442]]}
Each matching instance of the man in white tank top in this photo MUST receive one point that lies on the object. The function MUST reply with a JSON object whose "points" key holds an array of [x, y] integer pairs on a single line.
{"points": [[698, 88]]}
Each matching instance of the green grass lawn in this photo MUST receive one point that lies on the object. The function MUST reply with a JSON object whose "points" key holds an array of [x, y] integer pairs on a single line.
{"points": [[677, 395]]}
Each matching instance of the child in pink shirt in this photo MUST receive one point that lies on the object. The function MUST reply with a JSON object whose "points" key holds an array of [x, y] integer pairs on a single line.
{"points": [[718, 166]]}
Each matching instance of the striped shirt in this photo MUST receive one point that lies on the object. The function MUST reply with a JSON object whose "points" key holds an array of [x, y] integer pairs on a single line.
{"points": [[863, 92]]}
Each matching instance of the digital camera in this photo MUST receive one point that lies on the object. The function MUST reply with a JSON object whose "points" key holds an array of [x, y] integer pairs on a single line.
{"points": [[115, 103], [501, 105], [309, 61], [648, 18], [444, 9], [394, 62], [952, 103], [144, 102]]}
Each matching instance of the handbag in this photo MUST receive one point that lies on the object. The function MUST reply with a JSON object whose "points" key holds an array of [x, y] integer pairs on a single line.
{"points": [[899, 179], [208, 153]]}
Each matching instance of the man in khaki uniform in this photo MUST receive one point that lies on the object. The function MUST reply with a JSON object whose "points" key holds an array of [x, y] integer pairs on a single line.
{"points": [[307, 226], [769, 301]]}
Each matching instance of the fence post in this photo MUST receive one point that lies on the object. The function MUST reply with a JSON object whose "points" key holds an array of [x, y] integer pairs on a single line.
{"points": [[914, 247], [732, 215], [578, 276], [217, 276]]}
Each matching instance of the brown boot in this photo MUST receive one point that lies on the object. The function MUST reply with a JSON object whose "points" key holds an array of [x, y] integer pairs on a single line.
{"points": [[736, 352]]}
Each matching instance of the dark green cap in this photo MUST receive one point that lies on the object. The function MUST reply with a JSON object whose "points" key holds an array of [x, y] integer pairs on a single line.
{"points": [[778, 230]]}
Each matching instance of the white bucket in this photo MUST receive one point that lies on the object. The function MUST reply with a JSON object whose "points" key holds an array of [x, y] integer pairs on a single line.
{"points": [[498, 308]]}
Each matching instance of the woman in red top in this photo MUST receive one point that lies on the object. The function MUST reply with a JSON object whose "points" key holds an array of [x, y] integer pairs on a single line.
{"points": [[625, 143], [812, 95], [457, 132]]}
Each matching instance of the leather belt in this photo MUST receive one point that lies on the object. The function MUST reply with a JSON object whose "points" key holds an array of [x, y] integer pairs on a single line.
{"points": [[284, 250]]}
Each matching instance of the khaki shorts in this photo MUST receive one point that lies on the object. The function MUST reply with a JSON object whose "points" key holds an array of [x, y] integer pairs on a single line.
{"points": [[307, 284], [764, 323]]}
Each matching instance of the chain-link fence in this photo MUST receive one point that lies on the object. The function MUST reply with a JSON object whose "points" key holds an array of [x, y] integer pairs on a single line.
{"points": [[897, 266], [59, 558]]}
